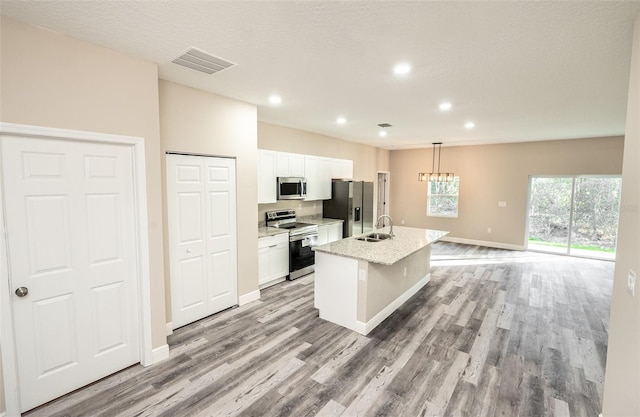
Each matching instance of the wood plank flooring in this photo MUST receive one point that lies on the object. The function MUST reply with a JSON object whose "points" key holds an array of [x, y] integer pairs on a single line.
{"points": [[495, 333]]}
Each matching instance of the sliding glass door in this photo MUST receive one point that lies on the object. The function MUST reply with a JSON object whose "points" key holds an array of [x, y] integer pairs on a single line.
{"points": [[574, 215]]}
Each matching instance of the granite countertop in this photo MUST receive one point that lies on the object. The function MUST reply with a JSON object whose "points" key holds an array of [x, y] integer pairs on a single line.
{"points": [[264, 231], [320, 221], [406, 241], [270, 231]]}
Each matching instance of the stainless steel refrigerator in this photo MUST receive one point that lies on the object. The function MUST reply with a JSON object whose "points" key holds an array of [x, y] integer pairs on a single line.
{"points": [[351, 201]]}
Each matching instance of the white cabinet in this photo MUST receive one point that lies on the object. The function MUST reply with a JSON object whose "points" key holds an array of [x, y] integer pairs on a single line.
{"points": [[267, 177], [289, 165], [273, 259], [317, 170], [318, 175], [323, 235], [328, 233], [342, 168], [334, 232], [324, 178]]}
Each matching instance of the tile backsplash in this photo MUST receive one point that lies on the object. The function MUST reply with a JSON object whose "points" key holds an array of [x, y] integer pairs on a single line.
{"points": [[302, 208]]}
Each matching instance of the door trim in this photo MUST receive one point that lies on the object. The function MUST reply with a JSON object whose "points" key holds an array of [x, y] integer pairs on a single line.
{"points": [[387, 190], [7, 339]]}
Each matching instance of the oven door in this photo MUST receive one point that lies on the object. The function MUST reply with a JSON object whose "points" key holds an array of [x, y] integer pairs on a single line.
{"points": [[301, 253]]}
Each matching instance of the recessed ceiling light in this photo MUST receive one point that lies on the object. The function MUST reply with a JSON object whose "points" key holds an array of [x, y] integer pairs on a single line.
{"points": [[382, 133], [444, 106], [341, 120], [469, 125], [402, 69], [274, 99]]}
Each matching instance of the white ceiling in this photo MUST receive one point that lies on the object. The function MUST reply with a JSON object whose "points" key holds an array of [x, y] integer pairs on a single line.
{"points": [[521, 71]]}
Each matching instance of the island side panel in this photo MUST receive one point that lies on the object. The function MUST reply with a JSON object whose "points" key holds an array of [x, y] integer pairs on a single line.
{"points": [[387, 287], [336, 287]]}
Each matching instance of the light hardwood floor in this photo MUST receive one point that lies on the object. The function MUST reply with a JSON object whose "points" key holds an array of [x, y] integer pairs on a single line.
{"points": [[495, 333]]}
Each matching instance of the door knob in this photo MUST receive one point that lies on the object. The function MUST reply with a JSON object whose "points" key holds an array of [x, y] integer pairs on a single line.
{"points": [[22, 291]]}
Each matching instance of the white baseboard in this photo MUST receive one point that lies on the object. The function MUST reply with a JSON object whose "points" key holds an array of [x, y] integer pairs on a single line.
{"points": [[365, 328], [169, 328], [249, 297], [486, 243], [159, 354], [272, 283]]}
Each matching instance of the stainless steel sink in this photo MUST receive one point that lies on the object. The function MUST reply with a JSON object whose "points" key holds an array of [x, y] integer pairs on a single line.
{"points": [[379, 236], [367, 239], [374, 237]]}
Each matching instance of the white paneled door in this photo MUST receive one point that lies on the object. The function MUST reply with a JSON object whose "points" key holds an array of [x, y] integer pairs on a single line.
{"points": [[70, 216], [201, 203]]}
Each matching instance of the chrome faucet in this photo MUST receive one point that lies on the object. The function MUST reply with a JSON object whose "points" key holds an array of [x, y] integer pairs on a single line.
{"points": [[390, 221]]}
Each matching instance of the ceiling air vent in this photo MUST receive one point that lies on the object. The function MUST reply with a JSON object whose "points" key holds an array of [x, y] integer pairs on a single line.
{"points": [[199, 60]]}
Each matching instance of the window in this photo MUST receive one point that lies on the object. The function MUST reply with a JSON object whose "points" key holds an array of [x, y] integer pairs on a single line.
{"points": [[575, 215], [442, 198]]}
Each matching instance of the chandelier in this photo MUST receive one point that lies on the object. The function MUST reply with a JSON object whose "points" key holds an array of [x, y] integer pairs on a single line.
{"points": [[436, 176]]}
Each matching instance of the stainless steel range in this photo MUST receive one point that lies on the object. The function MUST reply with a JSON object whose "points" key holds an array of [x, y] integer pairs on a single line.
{"points": [[302, 238]]}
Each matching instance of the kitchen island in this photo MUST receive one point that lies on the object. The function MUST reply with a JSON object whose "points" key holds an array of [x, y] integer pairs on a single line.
{"points": [[360, 283]]}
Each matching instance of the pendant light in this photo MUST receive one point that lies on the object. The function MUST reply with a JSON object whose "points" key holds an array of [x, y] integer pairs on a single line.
{"points": [[436, 176]]}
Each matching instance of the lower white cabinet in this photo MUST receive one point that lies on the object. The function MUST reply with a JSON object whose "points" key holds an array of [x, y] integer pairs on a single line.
{"points": [[334, 232], [328, 233], [323, 235], [273, 259]]}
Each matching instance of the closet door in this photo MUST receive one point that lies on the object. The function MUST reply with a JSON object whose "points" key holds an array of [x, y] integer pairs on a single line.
{"points": [[201, 210]]}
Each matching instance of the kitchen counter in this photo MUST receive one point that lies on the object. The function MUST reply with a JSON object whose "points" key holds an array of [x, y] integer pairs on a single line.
{"points": [[406, 241], [358, 284], [264, 231], [320, 221]]}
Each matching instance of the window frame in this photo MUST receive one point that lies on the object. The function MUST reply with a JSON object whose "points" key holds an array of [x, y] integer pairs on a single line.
{"points": [[456, 180]]}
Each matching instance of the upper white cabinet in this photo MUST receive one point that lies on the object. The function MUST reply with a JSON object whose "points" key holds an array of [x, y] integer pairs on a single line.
{"points": [[267, 177], [342, 168], [317, 170], [290, 165], [324, 178], [318, 175]]}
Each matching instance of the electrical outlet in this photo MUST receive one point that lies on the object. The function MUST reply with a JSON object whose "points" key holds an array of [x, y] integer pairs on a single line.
{"points": [[488, 230], [631, 283], [362, 274], [401, 221], [502, 204], [405, 271]]}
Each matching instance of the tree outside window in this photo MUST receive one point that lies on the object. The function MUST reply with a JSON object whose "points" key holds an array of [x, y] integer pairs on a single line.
{"points": [[442, 198]]}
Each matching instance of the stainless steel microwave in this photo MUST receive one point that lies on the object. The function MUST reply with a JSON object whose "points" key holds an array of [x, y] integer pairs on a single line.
{"points": [[292, 188]]}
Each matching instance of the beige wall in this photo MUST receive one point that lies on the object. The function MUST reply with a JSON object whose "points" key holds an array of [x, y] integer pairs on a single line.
{"points": [[622, 380], [493, 173], [367, 160], [193, 121], [385, 283], [52, 80]]}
